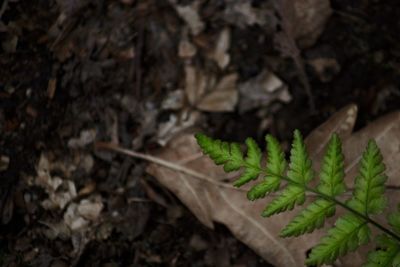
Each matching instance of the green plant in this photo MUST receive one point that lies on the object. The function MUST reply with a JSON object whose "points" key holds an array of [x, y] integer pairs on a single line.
{"points": [[350, 230]]}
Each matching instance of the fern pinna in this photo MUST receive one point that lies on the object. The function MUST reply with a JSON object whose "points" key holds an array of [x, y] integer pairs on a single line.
{"points": [[350, 230]]}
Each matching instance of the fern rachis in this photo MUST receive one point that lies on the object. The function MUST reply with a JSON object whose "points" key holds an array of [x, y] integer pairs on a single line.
{"points": [[350, 230]]}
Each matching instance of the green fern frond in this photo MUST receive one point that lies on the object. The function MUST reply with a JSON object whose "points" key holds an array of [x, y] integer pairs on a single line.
{"points": [[394, 221], [368, 197], [252, 163], [276, 163], [387, 253], [350, 230], [388, 248], [230, 155], [299, 174], [310, 218], [289, 197], [332, 170], [260, 190], [276, 167], [348, 234], [331, 184], [300, 166]]}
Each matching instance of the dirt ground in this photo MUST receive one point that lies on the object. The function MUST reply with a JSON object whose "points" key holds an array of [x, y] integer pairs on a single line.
{"points": [[73, 73]]}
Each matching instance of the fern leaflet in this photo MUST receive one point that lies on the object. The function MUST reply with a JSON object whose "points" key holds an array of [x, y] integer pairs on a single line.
{"points": [[388, 252], [368, 197], [252, 163], [299, 174], [331, 184], [231, 157], [348, 234], [310, 218], [276, 167]]}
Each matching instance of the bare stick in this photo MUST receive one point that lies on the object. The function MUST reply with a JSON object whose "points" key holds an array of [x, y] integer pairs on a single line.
{"points": [[164, 163]]}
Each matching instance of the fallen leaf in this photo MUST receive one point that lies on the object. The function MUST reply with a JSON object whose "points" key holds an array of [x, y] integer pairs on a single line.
{"points": [[60, 191], [176, 124], [242, 14], [220, 53], [191, 16], [261, 91], [73, 220], [205, 92], [223, 97], [174, 100], [186, 49], [311, 17], [196, 83], [342, 123], [223, 204], [304, 19], [90, 209]]}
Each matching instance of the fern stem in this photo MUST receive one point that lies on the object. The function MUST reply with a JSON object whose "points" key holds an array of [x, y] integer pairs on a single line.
{"points": [[343, 205]]}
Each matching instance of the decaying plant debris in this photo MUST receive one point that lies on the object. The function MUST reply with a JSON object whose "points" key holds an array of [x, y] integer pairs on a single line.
{"points": [[144, 75]]}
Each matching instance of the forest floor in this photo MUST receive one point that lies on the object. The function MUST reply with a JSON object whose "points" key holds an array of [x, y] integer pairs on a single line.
{"points": [[138, 73]]}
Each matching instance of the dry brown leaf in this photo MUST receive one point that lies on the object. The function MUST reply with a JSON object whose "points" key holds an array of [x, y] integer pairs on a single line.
{"points": [[212, 203], [261, 90], [223, 97], [60, 191], [191, 16], [186, 49], [342, 122], [242, 14], [220, 53], [310, 19], [206, 93], [176, 124]]}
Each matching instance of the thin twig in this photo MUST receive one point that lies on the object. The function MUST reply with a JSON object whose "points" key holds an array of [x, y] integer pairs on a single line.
{"points": [[164, 163]]}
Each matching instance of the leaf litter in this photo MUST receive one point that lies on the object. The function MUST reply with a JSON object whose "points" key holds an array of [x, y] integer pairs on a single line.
{"points": [[125, 80]]}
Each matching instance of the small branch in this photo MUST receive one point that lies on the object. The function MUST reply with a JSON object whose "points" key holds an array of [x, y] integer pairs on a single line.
{"points": [[164, 163]]}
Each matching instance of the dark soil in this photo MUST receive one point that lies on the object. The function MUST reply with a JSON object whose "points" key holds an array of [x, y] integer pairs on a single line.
{"points": [[67, 66]]}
